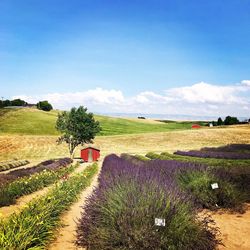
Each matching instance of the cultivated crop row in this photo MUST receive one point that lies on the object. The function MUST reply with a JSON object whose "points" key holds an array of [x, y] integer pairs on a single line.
{"points": [[229, 148], [234, 172], [6, 165], [10, 191], [152, 205], [215, 154], [35, 225]]}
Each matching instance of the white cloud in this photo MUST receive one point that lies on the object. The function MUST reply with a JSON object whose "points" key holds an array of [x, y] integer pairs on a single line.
{"points": [[91, 97], [206, 93], [246, 83], [198, 99]]}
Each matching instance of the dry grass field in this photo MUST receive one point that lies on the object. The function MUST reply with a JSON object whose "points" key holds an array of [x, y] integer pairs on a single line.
{"points": [[44, 147]]}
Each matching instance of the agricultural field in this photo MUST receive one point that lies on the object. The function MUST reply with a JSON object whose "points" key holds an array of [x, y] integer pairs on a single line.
{"points": [[35, 147], [188, 162], [28, 121], [176, 193]]}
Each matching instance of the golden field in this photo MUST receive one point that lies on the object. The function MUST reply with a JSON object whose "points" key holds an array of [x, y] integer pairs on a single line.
{"points": [[34, 147]]}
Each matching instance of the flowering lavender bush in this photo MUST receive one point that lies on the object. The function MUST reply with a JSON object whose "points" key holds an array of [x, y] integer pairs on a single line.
{"points": [[214, 154], [122, 210], [229, 148]]}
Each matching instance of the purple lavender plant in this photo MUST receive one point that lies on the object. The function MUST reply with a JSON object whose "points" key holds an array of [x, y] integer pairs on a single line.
{"points": [[214, 154], [121, 212]]}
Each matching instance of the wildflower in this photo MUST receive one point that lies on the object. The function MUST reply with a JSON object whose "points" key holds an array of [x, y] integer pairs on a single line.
{"points": [[1, 214]]}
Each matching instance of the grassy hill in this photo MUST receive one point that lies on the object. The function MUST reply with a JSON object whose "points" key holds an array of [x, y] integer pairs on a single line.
{"points": [[27, 121]]}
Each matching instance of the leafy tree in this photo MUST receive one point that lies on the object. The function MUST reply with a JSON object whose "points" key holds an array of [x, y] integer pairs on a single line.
{"points": [[219, 122], [6, 103], [44, 105], [77, 127], [18, 102], [231, 120], [214, 123]]}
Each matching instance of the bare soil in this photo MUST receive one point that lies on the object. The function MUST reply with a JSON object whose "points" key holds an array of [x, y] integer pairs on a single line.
{"points": [[67, 234], [234, 228]]}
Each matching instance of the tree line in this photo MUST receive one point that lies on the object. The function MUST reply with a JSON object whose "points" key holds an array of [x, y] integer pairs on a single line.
{"points": [[229, 120], [42, 105]]}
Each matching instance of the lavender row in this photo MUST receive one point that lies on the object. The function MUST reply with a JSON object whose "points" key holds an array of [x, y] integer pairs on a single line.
{"points": [[215, 154], [229, 148], [122, 210], [52, 165]]}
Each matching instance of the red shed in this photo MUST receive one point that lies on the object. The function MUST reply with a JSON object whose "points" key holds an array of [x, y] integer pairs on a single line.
{"points": [[196, 126], [89, 154]]}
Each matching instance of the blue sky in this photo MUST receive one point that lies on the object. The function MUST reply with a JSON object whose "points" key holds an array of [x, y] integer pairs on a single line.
{"points": [[124, 49]]}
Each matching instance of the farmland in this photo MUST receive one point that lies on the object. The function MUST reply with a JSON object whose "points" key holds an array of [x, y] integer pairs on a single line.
{"points": [[27, 121], [154, 150]]}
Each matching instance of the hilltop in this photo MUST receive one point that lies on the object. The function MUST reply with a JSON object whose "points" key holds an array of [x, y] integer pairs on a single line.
{"points": [[30, 121]]}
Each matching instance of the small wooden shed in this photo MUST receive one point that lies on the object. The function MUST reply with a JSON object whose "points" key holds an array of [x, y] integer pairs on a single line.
{"points": [[196, 126], [90, 153]]}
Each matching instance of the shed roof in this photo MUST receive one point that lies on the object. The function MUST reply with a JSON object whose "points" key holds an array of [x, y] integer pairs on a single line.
{"points": [[93, 147]]}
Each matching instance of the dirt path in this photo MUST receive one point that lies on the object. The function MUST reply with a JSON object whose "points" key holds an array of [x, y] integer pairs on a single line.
{"points": [[67, 236], [23, 200], [235, 229]]}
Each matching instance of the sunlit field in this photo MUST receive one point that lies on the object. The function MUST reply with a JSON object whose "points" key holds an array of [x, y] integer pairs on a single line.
{"points": [[30, 147]]}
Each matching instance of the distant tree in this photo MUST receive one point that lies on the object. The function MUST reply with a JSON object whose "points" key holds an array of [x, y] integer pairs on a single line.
{"points": [[77, 127], [6, 103], [214, 123], [219, 122], [231, 120], [44, 105], [18, 102]]}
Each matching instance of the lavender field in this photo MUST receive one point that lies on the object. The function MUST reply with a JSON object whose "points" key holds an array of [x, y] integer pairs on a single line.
{"points": [[131, 195]]}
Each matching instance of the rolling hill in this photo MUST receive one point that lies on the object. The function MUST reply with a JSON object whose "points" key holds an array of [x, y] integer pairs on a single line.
{"points": [[28, 121]]}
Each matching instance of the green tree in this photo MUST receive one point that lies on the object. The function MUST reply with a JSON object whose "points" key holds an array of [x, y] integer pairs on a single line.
{"points": [[18, 102], [219, 122], [231, 120], [6, 103], [77, 127], [44, 105]]}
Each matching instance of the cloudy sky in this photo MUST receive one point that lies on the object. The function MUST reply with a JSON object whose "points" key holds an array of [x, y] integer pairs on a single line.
{"points": [[137, 56]]}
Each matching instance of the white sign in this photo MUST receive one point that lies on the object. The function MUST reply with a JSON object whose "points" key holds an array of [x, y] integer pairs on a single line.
{"points": [[214, 185], [160, 222]]}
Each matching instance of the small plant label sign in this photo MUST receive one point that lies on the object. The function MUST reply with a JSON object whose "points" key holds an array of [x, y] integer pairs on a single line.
{"points": [[160, 222], [214, 185]]}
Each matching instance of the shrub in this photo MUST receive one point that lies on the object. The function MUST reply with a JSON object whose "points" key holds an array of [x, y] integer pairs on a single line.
{"points": [[229, 148], [198, 184], [214, 154], [44, 105], [121, 212], [137, 160]]}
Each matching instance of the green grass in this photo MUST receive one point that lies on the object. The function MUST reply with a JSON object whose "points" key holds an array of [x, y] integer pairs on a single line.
{"points": [[28, 121]]}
